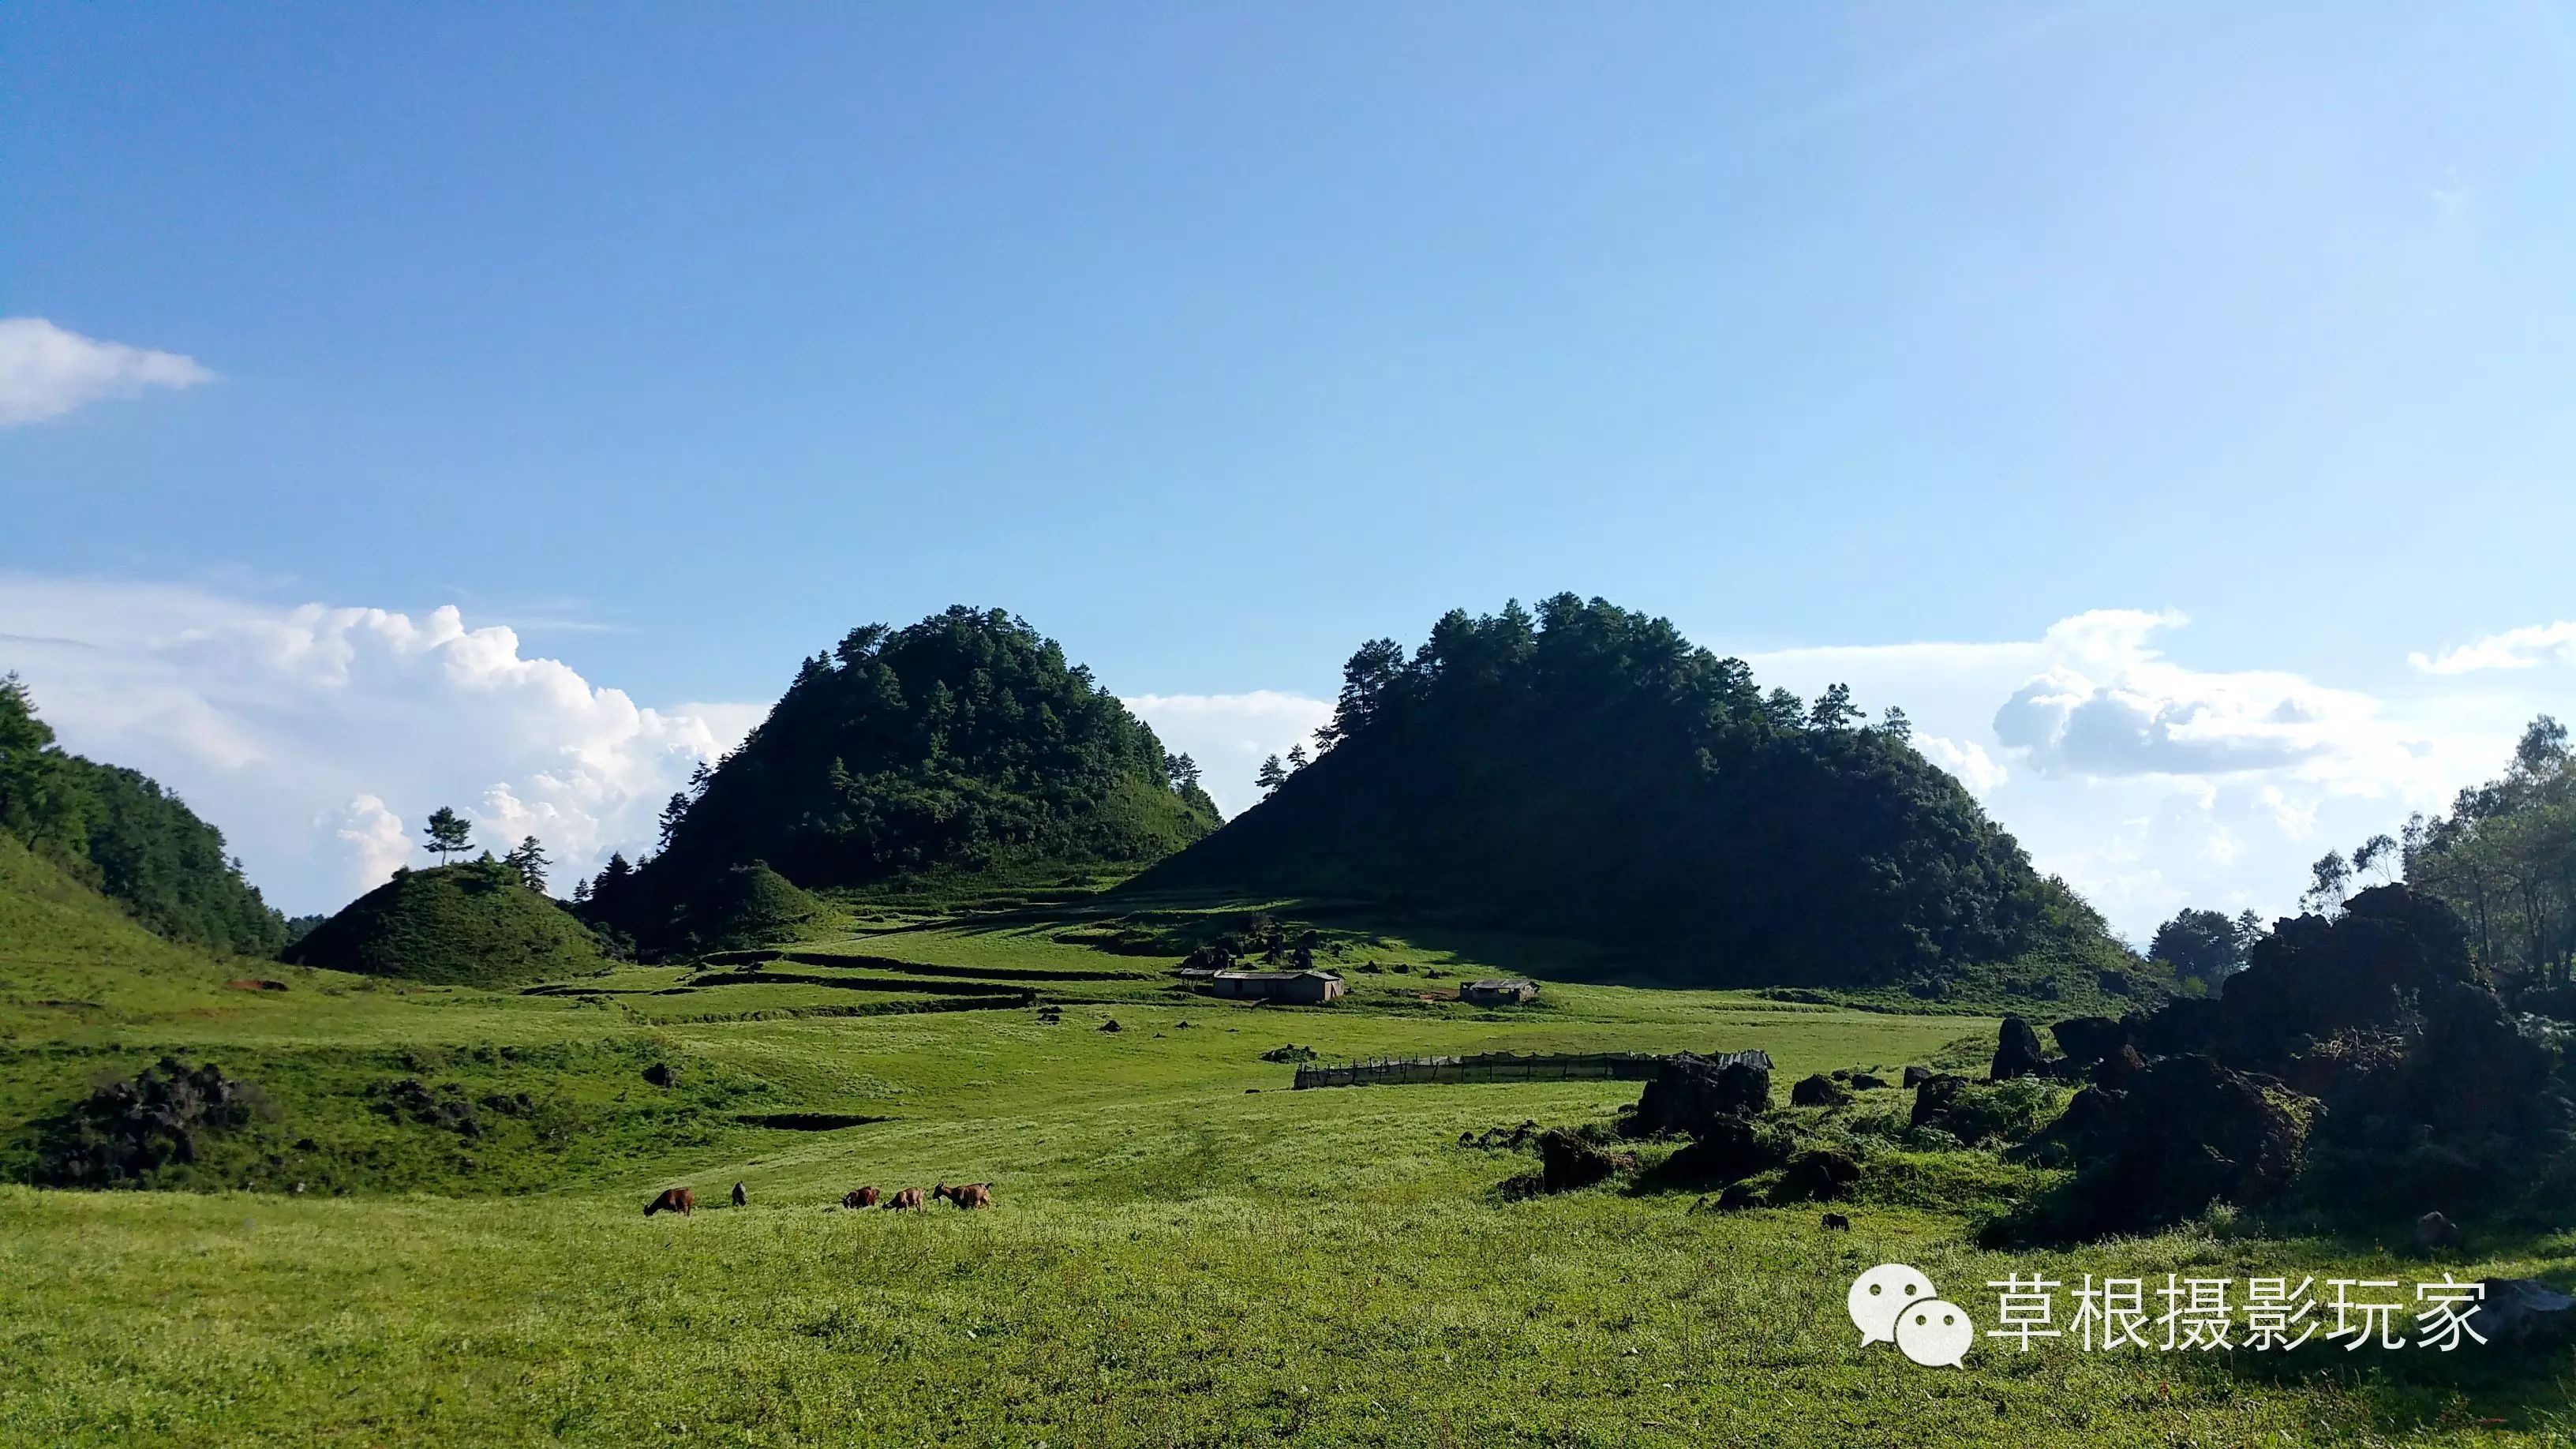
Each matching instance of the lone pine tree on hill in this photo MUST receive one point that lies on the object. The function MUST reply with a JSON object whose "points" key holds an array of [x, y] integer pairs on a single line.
{"points": [[449, 834]]}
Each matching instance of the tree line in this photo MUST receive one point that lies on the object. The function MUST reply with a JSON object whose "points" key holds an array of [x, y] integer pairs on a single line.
{"points": [[120, 832]]}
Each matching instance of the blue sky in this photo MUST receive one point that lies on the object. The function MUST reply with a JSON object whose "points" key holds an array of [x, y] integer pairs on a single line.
{"points": [[1882, 342]]}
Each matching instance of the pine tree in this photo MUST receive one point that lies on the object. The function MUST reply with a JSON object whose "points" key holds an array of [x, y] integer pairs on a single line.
{"points": [[529, 860], [1270, 775], [1296, 758], [449, 834], [672, 814]]}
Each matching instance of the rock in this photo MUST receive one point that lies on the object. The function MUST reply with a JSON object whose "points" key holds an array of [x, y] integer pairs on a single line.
{"points": [[2516, 1311], [1732, 1148], [1864, 1082], [2435, 1233], [2188, 1133], [660, 1074], [1933, 1096], [2065, 1069], [1818, 1091], [1690, 1094], [1822, 1175], [2119, 1069], [1917, 1076], [1111, 1025], [2115, 982], [1567, 1162], [1739, 1196], [2088, 1039], [2017, 1052]]}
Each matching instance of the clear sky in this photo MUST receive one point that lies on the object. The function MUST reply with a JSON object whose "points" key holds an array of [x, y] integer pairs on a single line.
{"points": [[2130, 391]]}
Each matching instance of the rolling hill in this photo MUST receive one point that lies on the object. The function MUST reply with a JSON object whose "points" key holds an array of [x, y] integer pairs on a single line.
{"points": [[1588, 772]]}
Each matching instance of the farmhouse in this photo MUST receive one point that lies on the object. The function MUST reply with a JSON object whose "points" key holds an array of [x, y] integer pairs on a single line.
{"points": [[1501, 991], [1306, 986]]}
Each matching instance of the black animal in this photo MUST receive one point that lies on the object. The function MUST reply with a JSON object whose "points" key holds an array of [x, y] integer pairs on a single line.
{"points": [[1837, 1222], [739, 1196]]}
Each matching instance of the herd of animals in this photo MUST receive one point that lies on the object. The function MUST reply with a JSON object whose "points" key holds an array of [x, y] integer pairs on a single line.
{"points": [[903, 1199]]}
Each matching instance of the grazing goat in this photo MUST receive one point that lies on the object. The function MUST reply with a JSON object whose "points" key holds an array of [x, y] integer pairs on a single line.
{"points": [[970, 1195], [1838, 1222], [860, 1197], [739, 1196], [905, 1199], [673, 1200]]}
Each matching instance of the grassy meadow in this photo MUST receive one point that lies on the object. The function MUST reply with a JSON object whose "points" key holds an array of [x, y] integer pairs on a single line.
{"points": [[1182, 1250]]}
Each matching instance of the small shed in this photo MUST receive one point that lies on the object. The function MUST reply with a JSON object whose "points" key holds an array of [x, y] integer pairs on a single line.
{"points": [[1500, 991], [1313, 987]]}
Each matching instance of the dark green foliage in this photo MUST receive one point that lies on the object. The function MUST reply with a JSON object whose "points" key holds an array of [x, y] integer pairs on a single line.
{"points": [[1588, 772], [468, 925], [2205, 946], [745, 905], [2505, 860], [449, 834], [120, 832], [148, 1132], [965, 741]]}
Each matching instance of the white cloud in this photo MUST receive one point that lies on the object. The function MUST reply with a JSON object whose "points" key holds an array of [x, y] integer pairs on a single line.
{"points": [[2523, 648], [2151, 784], [46, 371], [318, 738], [1229, 734], [1975, 768]]}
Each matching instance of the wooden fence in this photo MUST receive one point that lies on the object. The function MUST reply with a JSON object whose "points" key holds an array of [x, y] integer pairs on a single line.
{"points": [[1505, 1067]]}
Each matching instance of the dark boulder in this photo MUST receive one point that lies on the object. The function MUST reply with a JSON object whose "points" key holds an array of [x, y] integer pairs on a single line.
{"points": [[1866, 1082], [2513, 1312], [1689, 1094], [2119, 1069], [2017, 1052], [1933, 1096], [2435, 1233], [660, 1074], [1567, 1161], [2088, 1039], [1731, 1148], [1739, 1196], [1917, 1076], [1822, 1175], [1818, 1091], [2186, 1134]]}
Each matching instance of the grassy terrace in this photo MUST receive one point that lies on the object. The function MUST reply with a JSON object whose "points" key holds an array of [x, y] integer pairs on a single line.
{"points": [[1182, 1251]]}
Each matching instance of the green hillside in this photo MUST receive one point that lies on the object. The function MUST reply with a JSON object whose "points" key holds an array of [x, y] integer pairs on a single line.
{"points": [[120, 831], [965, 742], [460, 925], [1589, 772], [747, 905]]}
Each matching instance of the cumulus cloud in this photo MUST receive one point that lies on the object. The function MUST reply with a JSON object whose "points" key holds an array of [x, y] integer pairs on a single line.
{"points": [[2151, 784], [1969, 761], [318, 737], [2112, 704], [46, 371], [1230, 734], [2523, 648]]}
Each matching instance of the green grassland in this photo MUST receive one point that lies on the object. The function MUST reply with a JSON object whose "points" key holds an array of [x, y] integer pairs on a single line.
{"points": [[1182, 1251]]}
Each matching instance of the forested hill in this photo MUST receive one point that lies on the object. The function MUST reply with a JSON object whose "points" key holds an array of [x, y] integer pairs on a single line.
{"points": [[122, 834], [1590, 772], [963, 741]]}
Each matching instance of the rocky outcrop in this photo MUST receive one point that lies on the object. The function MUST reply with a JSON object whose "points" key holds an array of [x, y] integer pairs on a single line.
{"points": [[2017, 1052], [1689, 1094], [1818, 1091]]}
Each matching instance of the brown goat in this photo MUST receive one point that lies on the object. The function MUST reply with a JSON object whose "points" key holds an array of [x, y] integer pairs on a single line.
{"points": [[969, 1195], [905, 1199], [673, 1200], [861, 1197]]}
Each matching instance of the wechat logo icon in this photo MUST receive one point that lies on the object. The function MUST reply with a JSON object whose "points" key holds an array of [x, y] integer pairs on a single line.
{"points": [[1893, 1303]]}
